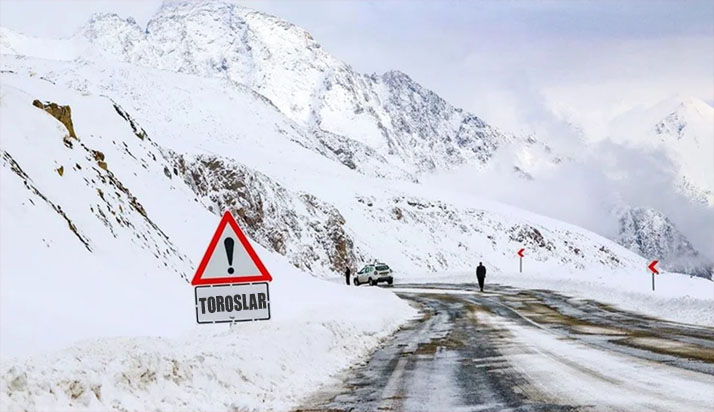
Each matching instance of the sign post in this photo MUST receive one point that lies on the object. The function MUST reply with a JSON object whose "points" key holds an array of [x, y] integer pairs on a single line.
{"points": [[520, 253], [654, 271], [231, 283]]}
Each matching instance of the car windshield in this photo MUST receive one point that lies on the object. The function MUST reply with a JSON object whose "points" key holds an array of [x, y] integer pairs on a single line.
{"points": [[382, 267]]}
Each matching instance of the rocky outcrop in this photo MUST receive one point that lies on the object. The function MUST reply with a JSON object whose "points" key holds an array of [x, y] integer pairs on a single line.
{"points": [[308, 231], [138, 130], [61, 113], [27, 182], [529, 236]]}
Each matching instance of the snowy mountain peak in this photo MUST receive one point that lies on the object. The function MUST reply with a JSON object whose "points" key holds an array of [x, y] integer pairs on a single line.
{"points": [[696, 105], [409, 125], [397, 76], [111, 34], [686, 111]]}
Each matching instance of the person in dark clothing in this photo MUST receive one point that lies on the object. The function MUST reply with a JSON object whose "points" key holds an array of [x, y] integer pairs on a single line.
{"points": [[481, 275], [347, 276]]}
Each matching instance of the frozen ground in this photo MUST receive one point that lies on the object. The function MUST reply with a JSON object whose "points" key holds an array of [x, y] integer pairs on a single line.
{"points": [[515, 349], [676, 297]]}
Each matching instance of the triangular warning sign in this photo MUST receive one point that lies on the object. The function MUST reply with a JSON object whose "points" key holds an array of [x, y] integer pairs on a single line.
{"points": [[230, 258]]}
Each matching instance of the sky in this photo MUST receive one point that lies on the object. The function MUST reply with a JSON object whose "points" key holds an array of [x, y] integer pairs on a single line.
{"points": [[524, 66]]}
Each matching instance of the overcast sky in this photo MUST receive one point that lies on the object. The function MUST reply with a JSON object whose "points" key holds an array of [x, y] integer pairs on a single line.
{"points": [[517, 64]]}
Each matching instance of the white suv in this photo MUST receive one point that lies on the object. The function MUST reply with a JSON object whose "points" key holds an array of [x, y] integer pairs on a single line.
{"points": [[373, 274]]}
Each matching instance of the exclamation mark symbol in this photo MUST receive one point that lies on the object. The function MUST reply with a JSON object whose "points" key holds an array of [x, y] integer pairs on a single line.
{"points": [[228, 243]]}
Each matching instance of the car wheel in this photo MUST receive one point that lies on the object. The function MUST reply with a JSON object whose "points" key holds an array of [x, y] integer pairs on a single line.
{"points": [[372, 282], [356, 282], [389, 282]]}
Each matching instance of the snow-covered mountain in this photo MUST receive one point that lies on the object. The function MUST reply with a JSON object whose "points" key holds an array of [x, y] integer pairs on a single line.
{"points": [[122, 146], [683, 128], [253, 99], [651, 234], [389, 114], [324, 217]]}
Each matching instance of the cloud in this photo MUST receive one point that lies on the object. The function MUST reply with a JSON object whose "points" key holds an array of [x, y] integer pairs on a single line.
{"points": [[62, 18], [587, 189]]}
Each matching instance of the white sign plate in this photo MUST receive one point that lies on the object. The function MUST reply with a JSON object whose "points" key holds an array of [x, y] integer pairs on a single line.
{"points": [[232, 303]]}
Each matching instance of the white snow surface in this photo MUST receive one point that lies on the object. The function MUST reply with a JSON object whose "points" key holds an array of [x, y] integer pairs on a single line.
{"points": [[578, 373], [115, 295], [315, 332], [673, 299]]}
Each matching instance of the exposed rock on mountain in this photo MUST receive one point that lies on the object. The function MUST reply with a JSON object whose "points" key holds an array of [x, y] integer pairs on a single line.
{"points": [[651, 234], [309, 232], [61, 113]]}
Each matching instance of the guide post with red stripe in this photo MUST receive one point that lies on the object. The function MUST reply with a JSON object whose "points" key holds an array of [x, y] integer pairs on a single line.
{"points": [[520, 266], [654, 271]]}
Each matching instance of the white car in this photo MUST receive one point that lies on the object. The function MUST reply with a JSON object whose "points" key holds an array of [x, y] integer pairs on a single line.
{"points": [[373, 274]]}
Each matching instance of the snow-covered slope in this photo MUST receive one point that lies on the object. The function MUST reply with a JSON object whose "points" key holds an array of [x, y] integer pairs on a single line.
{"points": [[651, 234], [101, 231], [104, 228], [263, 140]]}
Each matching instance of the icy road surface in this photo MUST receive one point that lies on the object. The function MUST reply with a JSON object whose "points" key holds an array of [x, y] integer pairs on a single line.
{"points": [[522, 350]]}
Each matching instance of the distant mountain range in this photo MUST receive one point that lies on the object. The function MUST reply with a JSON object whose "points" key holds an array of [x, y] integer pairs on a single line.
{"points": [[322, 164]]}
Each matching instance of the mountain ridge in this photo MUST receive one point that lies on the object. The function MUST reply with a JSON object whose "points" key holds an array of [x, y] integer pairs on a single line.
{"points": [[385, 126]]}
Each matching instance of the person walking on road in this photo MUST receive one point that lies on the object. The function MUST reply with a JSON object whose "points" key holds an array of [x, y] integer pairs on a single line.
{"points": [[481, 275], [347, 276]]}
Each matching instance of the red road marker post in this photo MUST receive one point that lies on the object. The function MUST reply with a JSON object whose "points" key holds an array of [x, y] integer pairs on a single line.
{"points": [[654, 271], [520, 253]]}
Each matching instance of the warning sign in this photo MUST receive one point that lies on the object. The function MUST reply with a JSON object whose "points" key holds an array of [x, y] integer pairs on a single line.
{"points": [[230, 258], [232, 303], [231, 281]]}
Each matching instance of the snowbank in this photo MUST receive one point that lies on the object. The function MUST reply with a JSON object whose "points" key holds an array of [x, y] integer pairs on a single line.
{"points": [[318, 328]]}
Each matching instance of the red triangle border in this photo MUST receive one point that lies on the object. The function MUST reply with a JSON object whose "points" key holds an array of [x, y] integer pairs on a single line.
{"points": [[228, 219]]}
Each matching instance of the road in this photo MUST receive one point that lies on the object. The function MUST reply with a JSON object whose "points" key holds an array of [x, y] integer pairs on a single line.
{"points": [[509, 349]]}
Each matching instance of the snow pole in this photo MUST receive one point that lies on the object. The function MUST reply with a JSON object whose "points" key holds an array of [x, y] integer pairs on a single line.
{"points": [[654, 271], [520, 262]]}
